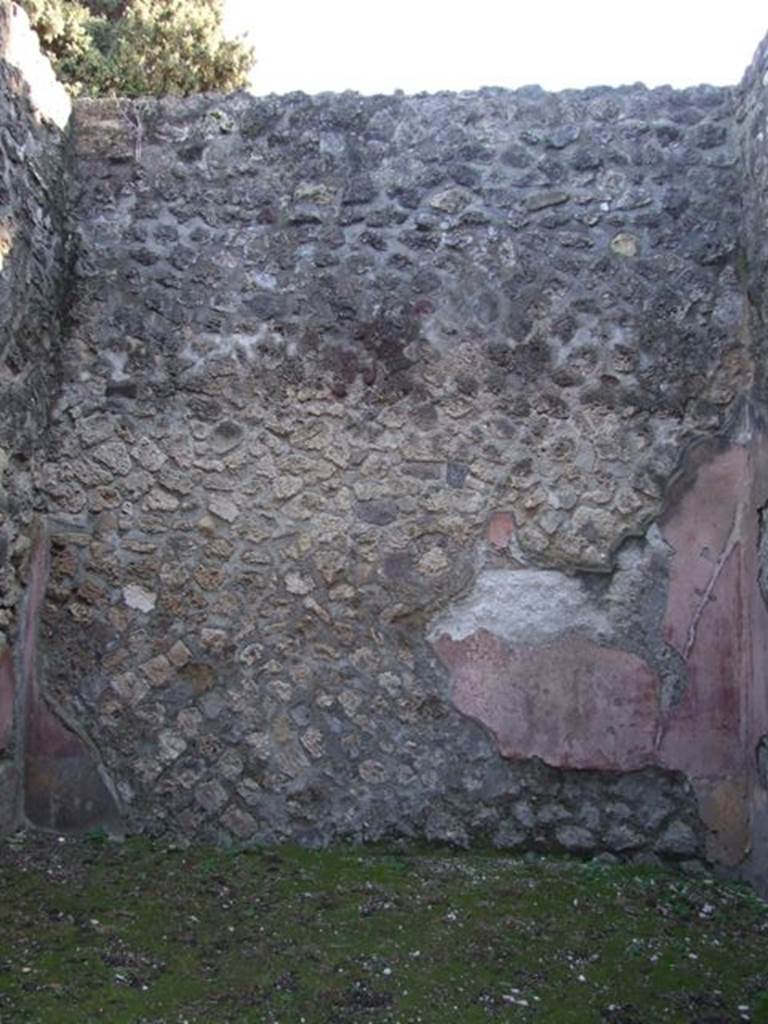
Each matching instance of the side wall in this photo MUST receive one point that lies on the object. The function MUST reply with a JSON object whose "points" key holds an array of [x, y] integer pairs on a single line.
{"points": [[752, 118], [751, 111], [33, 109]]}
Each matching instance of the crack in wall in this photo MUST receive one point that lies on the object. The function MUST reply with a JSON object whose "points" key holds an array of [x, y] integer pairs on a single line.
{"points": [[732, 541]]}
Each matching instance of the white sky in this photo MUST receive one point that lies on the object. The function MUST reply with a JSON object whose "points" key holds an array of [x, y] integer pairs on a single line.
{"points": [[427, 45]]}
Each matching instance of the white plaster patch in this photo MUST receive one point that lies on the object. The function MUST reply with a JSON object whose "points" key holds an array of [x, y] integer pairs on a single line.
{"points": [[522, 606], [262, 344]]}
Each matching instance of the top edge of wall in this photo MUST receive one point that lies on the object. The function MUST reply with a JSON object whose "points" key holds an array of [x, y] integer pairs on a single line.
{"points": [[19, 47], [523, 94]]}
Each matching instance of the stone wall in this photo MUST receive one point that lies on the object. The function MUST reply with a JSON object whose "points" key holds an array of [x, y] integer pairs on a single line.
{"points": [[406, 472], [751, 108], [32, 110]]}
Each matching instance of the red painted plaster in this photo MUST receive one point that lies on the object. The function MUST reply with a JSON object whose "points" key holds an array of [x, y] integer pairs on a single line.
{"points": [[46, 735], [576, 704], [571, 703], [63, 786], [716, 618], [30, 625], [703, 735], [7, 691], [701, 529]]}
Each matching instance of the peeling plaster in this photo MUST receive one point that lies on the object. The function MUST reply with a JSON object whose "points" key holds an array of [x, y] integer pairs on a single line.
{"points": [[523, 606], [65, 786], [523, 660]]}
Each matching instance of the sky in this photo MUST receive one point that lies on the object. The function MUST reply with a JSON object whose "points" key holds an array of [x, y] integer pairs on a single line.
{"points": [[425, 46]]}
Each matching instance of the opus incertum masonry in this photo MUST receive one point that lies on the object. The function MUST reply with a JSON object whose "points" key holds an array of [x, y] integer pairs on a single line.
{"points": [[387, 466]]}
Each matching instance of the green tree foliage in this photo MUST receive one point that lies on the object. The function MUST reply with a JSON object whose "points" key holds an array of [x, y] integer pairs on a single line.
{"points": [[139, 47]]}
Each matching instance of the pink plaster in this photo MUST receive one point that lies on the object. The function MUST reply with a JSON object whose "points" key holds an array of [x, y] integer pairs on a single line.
{"points": [[48, 736], [63, 786], [699, 529], [703, 734], [7, 690], [716, 617], [576, 704], [571, 703], [30, 627]]}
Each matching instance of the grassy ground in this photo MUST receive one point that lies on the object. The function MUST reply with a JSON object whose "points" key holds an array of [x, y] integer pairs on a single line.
{"points": [[140, 933]]}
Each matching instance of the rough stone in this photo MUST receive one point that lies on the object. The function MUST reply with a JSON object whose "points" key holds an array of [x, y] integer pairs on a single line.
{"points": [[224, 509], [158, 670], [575, 839], [678, 840], [623, 837], [160, 500], [541, 200], [179, 654], [211, 796], [624, 244], [349, 482], [239, 823], [298, 584], [445, 828], [115, 456], [509, 836], [170, 746], [139, 598], [287, 486]]}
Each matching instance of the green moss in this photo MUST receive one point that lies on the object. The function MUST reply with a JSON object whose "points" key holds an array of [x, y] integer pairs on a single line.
{"points": [[142, 933]]}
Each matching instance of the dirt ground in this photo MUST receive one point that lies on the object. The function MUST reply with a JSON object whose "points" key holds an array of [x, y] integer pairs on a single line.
{"points": [[145, 932]]}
